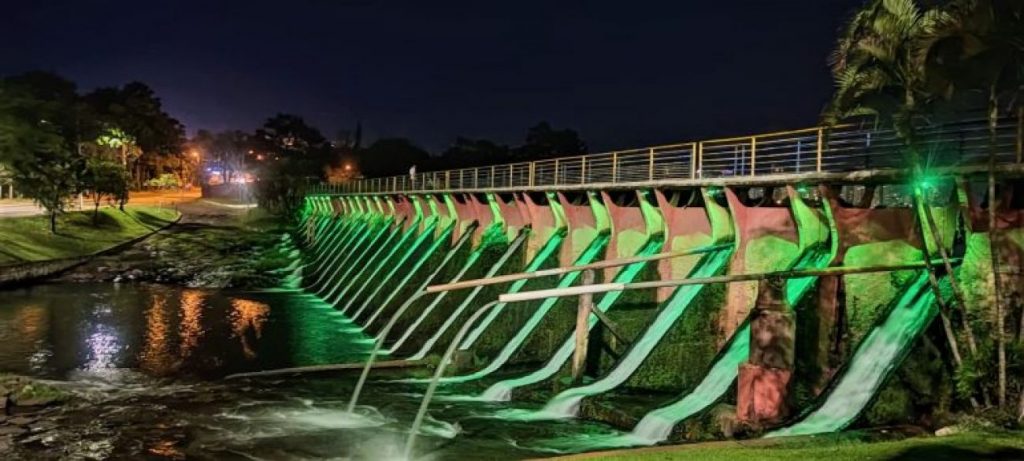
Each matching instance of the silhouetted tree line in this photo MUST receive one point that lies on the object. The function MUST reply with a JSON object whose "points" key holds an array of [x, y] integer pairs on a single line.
{"points": [[287, 154]]}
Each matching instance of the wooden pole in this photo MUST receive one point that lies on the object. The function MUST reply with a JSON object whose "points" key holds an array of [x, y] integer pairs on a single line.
{"points": [[586, 305], [606, 287]]}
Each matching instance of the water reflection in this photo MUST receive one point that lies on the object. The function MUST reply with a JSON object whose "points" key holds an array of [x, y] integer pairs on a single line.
{"points": [[156, 352], [248, 315], [192, 305], [52, 330]]}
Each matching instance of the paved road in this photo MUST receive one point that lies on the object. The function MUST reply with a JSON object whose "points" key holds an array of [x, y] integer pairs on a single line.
{"points": [[18, 207]]}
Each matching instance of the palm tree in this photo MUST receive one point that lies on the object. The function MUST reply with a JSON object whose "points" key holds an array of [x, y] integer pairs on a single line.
{"points": [[978, 47], [877, 67]]}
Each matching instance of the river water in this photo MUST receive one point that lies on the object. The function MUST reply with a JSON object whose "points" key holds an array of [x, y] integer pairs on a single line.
{"points": [[146, 363]]}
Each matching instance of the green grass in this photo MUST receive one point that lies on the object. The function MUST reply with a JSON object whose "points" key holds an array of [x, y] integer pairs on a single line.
{"points": [[968, 446], [29, 238]]}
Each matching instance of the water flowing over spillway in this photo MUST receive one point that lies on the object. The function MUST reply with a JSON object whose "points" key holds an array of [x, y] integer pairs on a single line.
{"points": [[431, 250], [470, 298], [877, 356], [425, 312], [553, 244], [593, 251], [428, 229], [566, 404], [657, 425], [502, 390], [366, 254]]}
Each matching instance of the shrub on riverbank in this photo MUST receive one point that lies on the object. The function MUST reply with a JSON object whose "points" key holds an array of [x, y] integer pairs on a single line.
{"points": [[28, 238]]}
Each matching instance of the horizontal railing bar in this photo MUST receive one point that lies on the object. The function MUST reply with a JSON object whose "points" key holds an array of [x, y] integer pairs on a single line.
{"points": [[799, 273]]}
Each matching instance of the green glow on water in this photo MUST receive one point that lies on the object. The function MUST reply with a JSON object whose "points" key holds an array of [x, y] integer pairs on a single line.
{"points": [[496, 238], [502, 390], [411, 232], [553, 244], [877, 356], [593, 251]]}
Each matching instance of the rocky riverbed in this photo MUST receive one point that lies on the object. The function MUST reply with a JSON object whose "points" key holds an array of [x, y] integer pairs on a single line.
{"points": [[211, 247]]}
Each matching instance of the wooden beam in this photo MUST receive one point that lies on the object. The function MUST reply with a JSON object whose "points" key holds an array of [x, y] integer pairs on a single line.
{"points": [[325, 368], [606, 287], [583, 310]]}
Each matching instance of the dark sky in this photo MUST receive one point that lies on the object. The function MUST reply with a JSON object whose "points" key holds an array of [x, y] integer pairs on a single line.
{"points": [[623, 73]]}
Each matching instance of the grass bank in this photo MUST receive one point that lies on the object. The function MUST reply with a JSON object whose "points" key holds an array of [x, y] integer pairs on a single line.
{"points": [[29, 238], [966, 446]]}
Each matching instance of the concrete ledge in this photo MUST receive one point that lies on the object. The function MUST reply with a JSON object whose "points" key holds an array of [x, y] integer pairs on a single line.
{"points": [[15, 275]]}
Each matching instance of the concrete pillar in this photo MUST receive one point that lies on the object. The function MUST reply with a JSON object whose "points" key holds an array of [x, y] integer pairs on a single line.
{"points": [[764, 379]]}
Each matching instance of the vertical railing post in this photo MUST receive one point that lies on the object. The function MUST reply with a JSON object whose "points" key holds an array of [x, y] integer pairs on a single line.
{"points": [[476, 178], [511, 172], [532, 172], [615, 167], [753, 156], [583, 170], [821, 145], [447, 180], [693, 161], [700, 159], [556, 171], [492, 176], [586, 305], [650, 164]]}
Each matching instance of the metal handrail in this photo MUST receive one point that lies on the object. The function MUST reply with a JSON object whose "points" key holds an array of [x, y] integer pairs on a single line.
{"points": [[809, 150]]}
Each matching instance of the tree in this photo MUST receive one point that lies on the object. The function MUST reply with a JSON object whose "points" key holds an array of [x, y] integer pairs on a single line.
{"points": [[978, 47], [465, 152], [296, 154], [878, 70], [392, 156], [544, 142], [40, 138], [105, 178], [133, 122]]}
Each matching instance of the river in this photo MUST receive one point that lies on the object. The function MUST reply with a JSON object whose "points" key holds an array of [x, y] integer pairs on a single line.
{"points": [[146, 363]]}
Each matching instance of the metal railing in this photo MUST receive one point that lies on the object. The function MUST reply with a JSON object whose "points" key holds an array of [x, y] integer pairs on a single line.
{"points": [[838, 149]]}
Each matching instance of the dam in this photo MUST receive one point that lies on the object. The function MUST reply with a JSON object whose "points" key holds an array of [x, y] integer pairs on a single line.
{"points": [[791, 283]]}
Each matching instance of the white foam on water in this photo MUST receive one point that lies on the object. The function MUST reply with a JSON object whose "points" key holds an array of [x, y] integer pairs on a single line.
{"points": [[438, 428]]}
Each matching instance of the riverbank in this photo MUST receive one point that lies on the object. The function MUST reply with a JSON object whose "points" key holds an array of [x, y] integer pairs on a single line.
{"points": [[210, 247], [28, 239], [983, 445]]}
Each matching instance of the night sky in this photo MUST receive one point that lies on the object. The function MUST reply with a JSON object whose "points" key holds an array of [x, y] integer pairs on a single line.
{"points": [[622, 73]]}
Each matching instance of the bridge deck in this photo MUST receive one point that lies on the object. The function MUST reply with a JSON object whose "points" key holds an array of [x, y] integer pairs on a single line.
{"points": [[843, 154]]}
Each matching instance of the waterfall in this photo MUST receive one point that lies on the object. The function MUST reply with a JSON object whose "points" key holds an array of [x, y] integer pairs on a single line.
{"points": [[878, 355], [500, 391], [566, 404]]}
